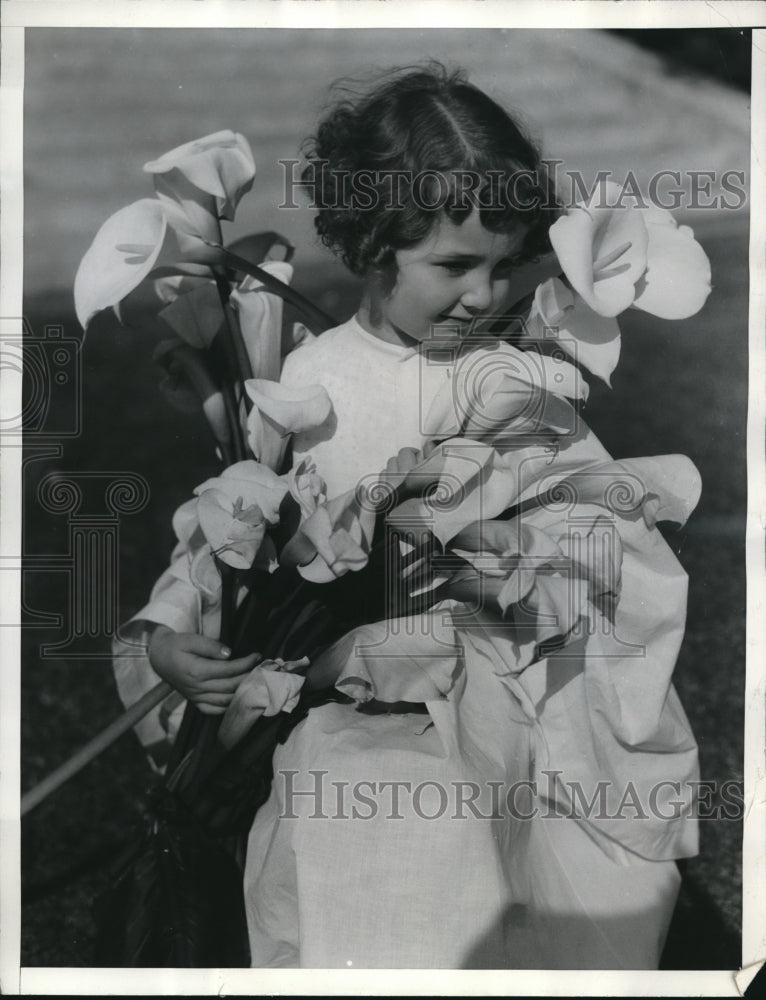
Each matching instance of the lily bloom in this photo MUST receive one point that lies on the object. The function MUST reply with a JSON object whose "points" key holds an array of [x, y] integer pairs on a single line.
{"points": [[232, 512], [510, 557], [200, 183], [123, 252], [616, 256], [458, 483], [497, 393], [307, 487], [132, 244], [260, 320], [333, 540], [591, 339], [273, 686], [279, 411], [234, 530], [251, 482]]}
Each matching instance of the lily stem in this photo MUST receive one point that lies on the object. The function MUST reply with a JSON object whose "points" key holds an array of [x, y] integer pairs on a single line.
{"points": [[317, 319], [236, 355], [236, 369]]}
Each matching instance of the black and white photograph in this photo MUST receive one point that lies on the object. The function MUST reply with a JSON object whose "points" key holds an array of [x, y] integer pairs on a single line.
{"points": [[382, 498]]}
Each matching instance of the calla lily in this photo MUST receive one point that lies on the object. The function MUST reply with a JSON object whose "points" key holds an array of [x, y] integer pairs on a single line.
{"points": [[234, 530], [193, 216], [657, 488], [333, 540], [295, 335], [459, 483], [556, 605], [591, 339], [602, 250], [613, 254], [515, 553], [260, 320], [505, 558], [123, 252], [220, 164], [306, 487], [677, 279], [543, 578], [279, 411], [273, 686], [563, 556], [134, 244], [498, 393], [200, 183], [251, 482], [205, 576], [232, 512]]}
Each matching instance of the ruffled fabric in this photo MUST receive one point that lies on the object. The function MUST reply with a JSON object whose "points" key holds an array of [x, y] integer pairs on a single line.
{"points": [[387, 663]]}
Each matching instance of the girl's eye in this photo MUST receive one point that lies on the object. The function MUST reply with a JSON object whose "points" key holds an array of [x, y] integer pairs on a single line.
{"points": [[455, 268]]}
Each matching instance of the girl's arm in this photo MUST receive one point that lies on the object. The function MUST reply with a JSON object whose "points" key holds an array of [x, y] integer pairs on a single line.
{"points": [[175, 605]]}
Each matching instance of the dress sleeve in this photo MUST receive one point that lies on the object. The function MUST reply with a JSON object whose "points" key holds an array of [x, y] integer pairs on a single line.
{"points": [[176, 603]]}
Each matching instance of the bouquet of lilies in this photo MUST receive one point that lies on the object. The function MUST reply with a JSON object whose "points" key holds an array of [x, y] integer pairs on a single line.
{"points": [[475, 517]]}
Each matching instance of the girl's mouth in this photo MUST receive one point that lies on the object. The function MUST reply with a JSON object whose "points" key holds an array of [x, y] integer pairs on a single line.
{"points": [[446, 318]]}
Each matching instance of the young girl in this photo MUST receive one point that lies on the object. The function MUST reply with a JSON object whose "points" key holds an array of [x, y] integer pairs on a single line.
{"points": [[457, 822]]}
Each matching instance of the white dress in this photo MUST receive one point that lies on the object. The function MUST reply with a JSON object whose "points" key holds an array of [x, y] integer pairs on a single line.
{"points": [[340, 875]]}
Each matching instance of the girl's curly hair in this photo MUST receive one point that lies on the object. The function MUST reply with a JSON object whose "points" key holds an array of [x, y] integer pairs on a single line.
{"points": [[383, 165]]}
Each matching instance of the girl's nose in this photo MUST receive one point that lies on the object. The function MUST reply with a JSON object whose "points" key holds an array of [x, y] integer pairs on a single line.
{"points": [[477, 295]]}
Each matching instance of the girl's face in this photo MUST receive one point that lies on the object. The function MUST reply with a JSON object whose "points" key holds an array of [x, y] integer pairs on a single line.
{"points": [[457, 273]]}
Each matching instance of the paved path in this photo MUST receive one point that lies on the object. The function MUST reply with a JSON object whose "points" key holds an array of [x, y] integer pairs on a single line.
{"points": [[99, 103]]}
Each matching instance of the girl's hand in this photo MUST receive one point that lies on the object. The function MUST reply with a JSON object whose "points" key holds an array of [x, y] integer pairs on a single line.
{"points": [[198, 667]]}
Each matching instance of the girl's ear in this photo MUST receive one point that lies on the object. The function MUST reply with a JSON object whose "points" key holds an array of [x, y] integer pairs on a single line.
{"points": [[382, 277], [380, 283]]}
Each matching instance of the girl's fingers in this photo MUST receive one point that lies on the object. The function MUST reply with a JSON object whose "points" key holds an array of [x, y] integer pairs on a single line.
{"points": [[206, 668], [210, 709], [214, 699], [203, 645], [219, 685], [245, 663]]}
